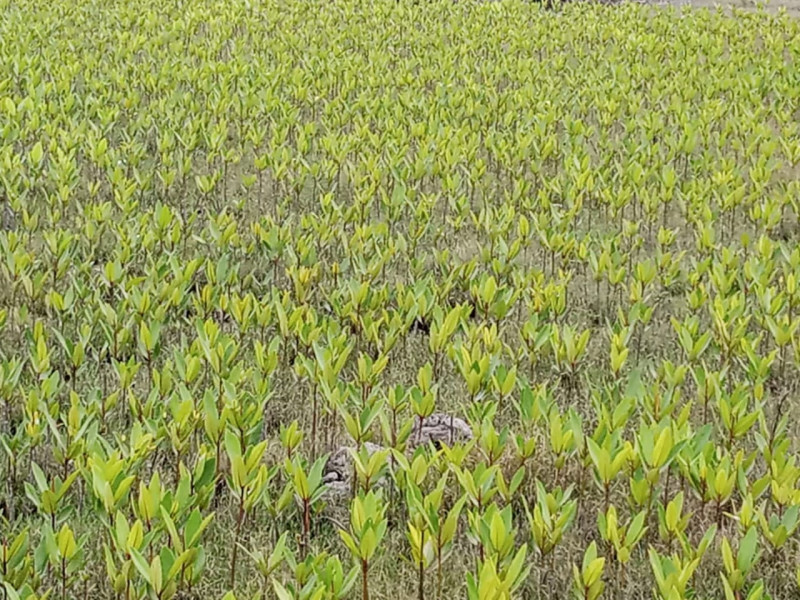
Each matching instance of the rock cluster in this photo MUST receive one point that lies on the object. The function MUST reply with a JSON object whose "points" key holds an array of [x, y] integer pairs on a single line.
{"points": [[437, 429], [338, 475]]}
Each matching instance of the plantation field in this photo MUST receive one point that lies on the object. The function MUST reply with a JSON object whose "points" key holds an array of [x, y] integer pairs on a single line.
{"points": [[346, 299]]}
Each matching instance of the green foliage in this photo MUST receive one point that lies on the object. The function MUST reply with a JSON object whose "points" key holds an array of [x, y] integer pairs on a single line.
{"points": [[520, 267]]}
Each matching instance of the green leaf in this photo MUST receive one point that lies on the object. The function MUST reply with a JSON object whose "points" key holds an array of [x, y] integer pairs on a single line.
{"points": [[747, 550], [141, 564]]}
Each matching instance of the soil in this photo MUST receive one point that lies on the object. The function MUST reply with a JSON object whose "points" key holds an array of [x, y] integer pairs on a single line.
{"points": [[792, 6]]}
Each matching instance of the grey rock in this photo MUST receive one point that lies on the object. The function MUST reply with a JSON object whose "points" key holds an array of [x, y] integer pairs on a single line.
{"points": [[338, 475], [439, 429]]}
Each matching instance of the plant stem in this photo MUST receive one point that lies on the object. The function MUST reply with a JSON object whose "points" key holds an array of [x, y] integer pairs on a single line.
{"points": [[306, 524], [314, 421], [239, 520], [439, 572], [364, 587], [63, 579], [421, 589]]}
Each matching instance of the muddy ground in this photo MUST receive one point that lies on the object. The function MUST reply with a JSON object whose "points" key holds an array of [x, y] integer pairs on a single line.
{"points": [[792, 6]]}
